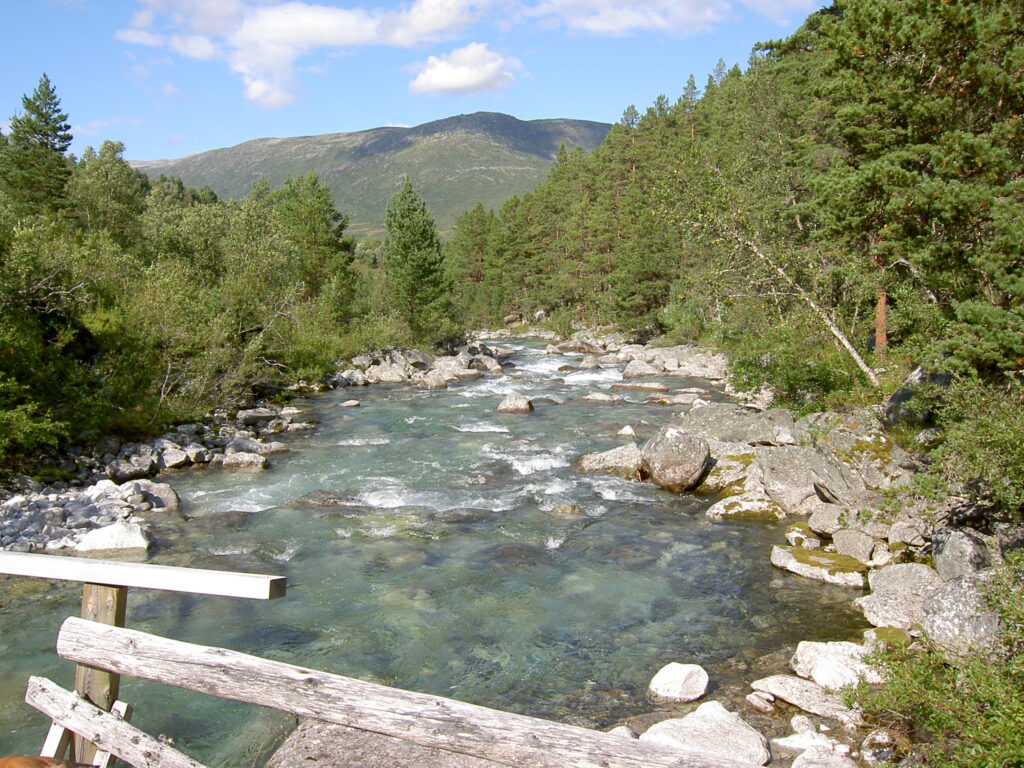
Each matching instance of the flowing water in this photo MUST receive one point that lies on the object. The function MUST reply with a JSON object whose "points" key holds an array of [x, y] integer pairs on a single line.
{"points": [[444, 568]]}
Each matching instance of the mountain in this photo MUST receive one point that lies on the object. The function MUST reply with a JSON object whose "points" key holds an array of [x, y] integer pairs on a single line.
{"points": [[455, 162]]}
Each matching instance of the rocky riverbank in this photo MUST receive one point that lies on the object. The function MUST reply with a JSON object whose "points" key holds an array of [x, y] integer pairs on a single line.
{"points": [[827, 473]]}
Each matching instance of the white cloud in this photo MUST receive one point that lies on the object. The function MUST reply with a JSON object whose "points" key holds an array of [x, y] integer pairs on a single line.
{"points": [[263, 40], [469, 70], [94, 127], [139, 37], [177, 138], [170, 89], [614, 17], [193, 46]]}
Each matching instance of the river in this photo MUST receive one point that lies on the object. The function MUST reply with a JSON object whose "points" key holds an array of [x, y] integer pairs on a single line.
{"points": [[445, 569]]}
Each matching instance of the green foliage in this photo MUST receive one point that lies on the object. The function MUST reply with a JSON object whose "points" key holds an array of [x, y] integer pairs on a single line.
{"points": [[964, 713], [983, 447]]}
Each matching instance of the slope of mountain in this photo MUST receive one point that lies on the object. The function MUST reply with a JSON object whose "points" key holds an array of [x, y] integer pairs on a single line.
{"points": [[455, 162]]}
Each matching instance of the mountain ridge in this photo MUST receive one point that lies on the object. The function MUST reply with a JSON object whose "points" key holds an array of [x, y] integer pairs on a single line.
{"points": [[456, 161]]}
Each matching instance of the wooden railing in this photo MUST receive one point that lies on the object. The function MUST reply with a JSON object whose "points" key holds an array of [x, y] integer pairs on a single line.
{"points": [[432, 721], [105, 600]]}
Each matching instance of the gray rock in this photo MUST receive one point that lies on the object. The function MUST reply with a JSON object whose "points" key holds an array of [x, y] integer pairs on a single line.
{"points": [[174, 458], [798, 477], [822, 757], [159, 494], [957, 618], [911, 531], [823, 566], [434, 380], [897, 594], [197, 453], [833, 665], [806, 695], [121, 470], [515, 403], [117, 536], [387, 373], [242, 444], [623, 462], [678, 682], [255, 415], [854, 543], [637, 368], [798, 743], [674, 459], [713, 730], [731, 423], [244, 460], [957, 552]]}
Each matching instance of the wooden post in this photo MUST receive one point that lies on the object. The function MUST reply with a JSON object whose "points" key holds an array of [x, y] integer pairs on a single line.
{"points": [[107, 605]]}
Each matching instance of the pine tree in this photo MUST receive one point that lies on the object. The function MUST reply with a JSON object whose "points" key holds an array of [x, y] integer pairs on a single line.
{"points": [[420, 290], [33, 169]]}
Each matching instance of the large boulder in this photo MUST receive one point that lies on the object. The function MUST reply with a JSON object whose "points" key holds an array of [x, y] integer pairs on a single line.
{"points": [[674, 459], [160, 495], [623, 462], [798, 477], [897, 595], [678, 682], [957, 618], [957, 552], [713, 730]]}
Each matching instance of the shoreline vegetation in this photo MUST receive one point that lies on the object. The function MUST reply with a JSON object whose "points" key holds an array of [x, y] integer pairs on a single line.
{"points": [[841, 219]]}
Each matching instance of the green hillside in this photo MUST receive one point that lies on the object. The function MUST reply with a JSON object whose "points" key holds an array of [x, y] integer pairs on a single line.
{"points": [[486, 157]]}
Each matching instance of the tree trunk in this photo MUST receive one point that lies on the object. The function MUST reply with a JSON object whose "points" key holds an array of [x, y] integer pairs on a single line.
{"points": [[881, 333]]}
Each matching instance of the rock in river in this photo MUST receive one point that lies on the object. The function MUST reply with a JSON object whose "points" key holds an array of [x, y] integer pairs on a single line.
{"points": [[674, 459]]}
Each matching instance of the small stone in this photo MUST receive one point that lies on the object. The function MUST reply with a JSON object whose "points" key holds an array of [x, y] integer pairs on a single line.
{"points": [[350, 404], [627, 431], [856, 544], [515, 403], [806, 695], [678, 682], [118, 536], [566, 510], [244, 460], [622, 730], [762, 702], [821, 757]]}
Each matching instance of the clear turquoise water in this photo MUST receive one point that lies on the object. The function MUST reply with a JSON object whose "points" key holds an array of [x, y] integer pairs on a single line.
{"points": [[445, 570]]}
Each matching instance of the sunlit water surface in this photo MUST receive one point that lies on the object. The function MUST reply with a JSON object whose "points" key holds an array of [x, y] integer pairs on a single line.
{"points": [[445, 570]]}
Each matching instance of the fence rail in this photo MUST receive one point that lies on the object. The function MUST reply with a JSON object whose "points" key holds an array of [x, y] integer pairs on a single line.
{"points": [[432, 721]]}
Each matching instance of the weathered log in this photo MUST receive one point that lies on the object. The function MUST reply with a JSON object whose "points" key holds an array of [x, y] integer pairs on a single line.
{"points": [[433, 721], [106, 731]]}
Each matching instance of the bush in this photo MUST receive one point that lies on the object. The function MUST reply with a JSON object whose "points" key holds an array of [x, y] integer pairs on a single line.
{"points": [[984, 446], [966, 714]]}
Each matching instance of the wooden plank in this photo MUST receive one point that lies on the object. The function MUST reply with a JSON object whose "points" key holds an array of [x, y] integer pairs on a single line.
{"points": [[108, 606], [107, 731], [433, 721], [103, 758], [58, 739], [255, 586]]}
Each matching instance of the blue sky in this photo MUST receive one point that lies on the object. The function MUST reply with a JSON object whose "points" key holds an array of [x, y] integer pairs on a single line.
{"points": [[173, 77]]}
